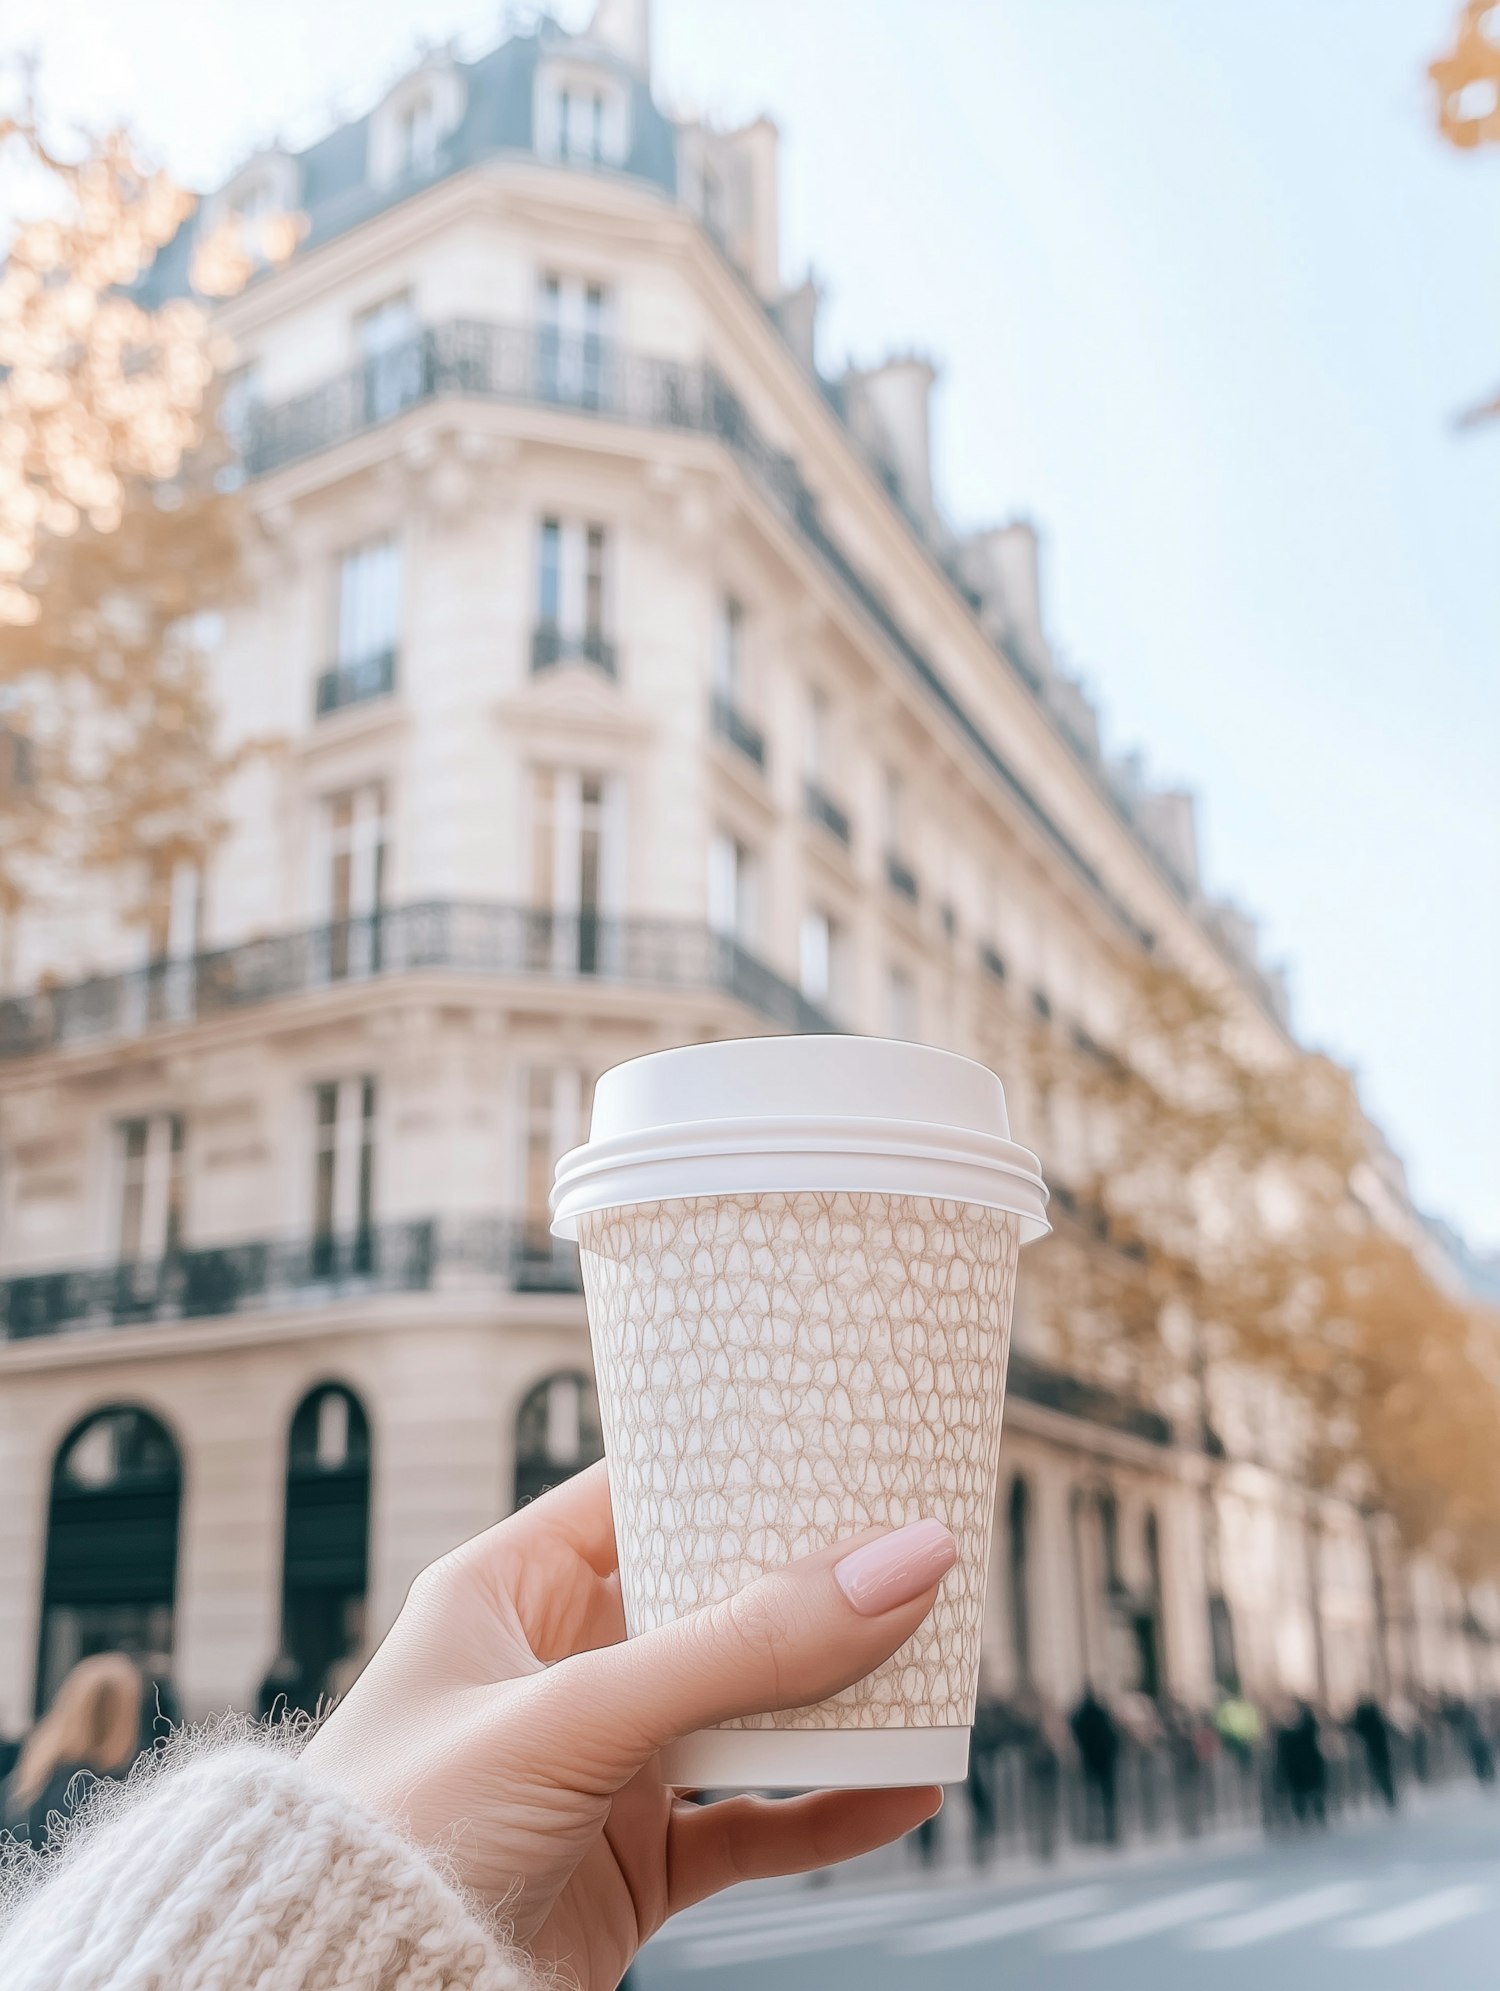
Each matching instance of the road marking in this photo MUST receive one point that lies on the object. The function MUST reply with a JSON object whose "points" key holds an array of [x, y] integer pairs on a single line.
{"points": [[1277, 1918], [859, 1921], [1413, 1918], [1148, 1918], [786, 1910], [1014, 1919]]}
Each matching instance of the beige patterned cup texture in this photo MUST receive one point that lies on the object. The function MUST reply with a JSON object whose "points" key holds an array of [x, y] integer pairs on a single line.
{"points": [[778, 1372]]}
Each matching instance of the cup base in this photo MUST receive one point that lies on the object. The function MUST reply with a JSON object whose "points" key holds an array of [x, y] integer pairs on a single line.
{"points": [[816, 1758]]}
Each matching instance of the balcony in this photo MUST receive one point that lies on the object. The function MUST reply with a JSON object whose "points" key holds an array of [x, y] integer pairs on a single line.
{"points": [[822, 808], [343, 685], [416, 1255], [901, 878], [730, 724], [551, 646], [453, 936]]}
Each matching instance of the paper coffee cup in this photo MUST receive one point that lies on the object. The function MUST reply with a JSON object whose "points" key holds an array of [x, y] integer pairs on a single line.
{"points": [[799, 1255]]}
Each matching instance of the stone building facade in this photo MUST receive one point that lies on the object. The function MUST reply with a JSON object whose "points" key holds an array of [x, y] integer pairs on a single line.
{"points": [[630, 689]]}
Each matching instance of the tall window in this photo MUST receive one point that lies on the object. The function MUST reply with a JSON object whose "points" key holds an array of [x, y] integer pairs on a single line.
{"points": [[173, 909], [110, 1577], [343, 1198], [351, 889], [325, 1541], [386, 337], [893, 810], [816, 740], [820, 958], [733, 908], [583, 121], [901, 1003], [417, 129], [369, 601], [557, 1433], [729, 625], [573, 340], [572, 584], [151, 1187], [554, 1118], [575, 862]]}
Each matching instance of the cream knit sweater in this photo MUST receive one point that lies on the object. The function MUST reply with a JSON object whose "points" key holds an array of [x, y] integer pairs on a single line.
{"points": [[231, 1867]]}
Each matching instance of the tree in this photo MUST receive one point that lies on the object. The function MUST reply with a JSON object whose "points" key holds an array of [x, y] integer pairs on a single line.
{"points": [[118, 529]]}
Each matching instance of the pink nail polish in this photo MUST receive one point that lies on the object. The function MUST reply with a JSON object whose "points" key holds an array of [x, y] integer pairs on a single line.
{"points": [[897, 1567]]}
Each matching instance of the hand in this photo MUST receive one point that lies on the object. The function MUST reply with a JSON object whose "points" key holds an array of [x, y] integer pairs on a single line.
{"points": [[508, 1725]]}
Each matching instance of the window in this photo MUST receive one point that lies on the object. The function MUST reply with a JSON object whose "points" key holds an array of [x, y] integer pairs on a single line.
{"points": [[549, 574], [575, 862], [573, 340], [369, 602], [351, 891], [729, 623], [1020, 1579], [820, 958], [581, 118], [343, 1196], [239, 403], [732, 894], [901, 1004], [554, 1118], [417, 136], [572, 592], [151, 1188], [173, 911], [815, 738], [593, 581], [389, 346], [557, 1433], [894, 811]]}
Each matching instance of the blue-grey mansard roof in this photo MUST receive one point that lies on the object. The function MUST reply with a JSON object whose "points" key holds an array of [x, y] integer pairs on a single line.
{"points": [[335, 188]]}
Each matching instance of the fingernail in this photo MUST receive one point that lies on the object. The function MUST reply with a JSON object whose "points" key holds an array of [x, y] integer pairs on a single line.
{"points": [[879, 1575]]}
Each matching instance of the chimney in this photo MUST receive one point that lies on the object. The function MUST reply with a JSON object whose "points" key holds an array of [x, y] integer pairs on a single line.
{"points": [[624, 27], [1004, 563], [1170, 819], [797, 315], [890, 411]]}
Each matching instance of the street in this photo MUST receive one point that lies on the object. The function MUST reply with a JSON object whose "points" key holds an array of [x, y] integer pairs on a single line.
{"points": [[1378, 1902]]}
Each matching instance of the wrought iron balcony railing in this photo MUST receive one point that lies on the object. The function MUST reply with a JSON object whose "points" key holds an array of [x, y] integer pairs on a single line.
{"points": [[822, 808], [551, 646], [414, 1255], [900, 877], [731, 724], [456, 936], [540, 367], [354, 683]]}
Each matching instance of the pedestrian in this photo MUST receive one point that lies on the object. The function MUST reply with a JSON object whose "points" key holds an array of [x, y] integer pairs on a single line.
{"points": [[496, 1758], [1374, 1731], [1096, 1734], [986, 1741], [1303, 1767], [1043, 1740], [90, 1734]]}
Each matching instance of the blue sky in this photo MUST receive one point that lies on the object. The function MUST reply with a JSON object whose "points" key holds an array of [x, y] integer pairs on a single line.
{"points": [[1206, 293]]}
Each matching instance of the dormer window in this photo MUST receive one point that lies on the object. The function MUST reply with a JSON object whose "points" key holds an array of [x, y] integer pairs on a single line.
{"points": [[417, 130], [582, 117], [407, 131]]}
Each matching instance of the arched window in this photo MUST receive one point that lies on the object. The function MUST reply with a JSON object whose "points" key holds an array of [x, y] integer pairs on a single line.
{"points": [[325, 1553], [110, 1580], [557, 1433], [1019, 1519]]}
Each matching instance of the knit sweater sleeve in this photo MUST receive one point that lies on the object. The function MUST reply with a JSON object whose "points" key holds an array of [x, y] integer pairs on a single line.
{"points": [[235, 1866]]}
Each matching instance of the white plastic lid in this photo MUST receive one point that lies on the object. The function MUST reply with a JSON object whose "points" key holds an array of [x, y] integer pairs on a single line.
{"points": [[757, 1114]]}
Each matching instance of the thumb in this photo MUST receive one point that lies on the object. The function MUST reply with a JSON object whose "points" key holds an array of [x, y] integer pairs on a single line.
{"points": [[790, 1638]]}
